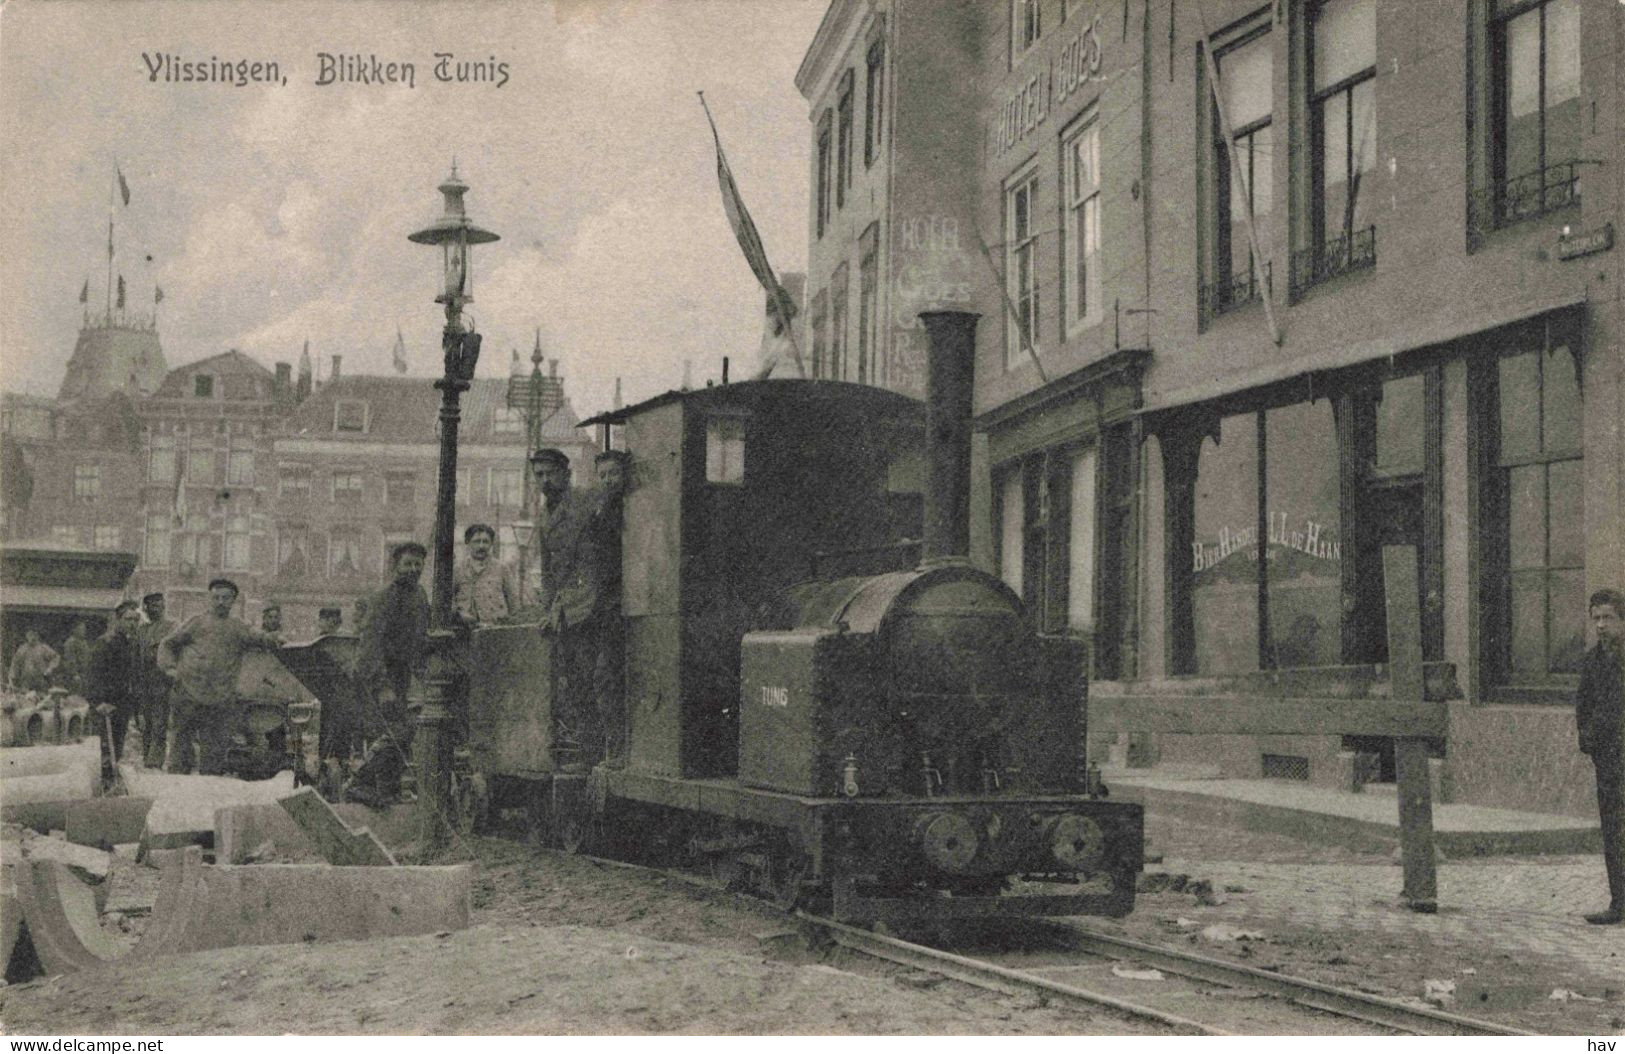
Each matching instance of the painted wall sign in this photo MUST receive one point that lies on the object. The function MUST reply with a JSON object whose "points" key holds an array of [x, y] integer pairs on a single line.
{"points": [[1077, 63], [1570, 246]]}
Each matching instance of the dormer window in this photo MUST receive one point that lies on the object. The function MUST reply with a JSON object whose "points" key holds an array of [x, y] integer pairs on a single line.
{"points": [[203, 386], [349, 415], [509, 421]]}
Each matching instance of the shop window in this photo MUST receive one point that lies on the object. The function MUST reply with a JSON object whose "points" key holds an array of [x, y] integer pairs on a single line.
{"points": [[508, 421], [65, 535], [161, 462], [1343, 142], [725, 450], [1081, 541], [1021, 266], [1536, 516], [1303, 536], [1224, 568], [1535, 63], [87, 482], [874, 97], [108, 538], [1399, 432], [1080, 177], [823, 173], [843, 140], [506, 487], [1246, 83]]}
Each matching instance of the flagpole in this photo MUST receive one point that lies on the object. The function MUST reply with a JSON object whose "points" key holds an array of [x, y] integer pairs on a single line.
{"points": [[112, 190]]}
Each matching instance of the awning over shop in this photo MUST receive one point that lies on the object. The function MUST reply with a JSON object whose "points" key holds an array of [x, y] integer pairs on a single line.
{"points": [[59, 598]]}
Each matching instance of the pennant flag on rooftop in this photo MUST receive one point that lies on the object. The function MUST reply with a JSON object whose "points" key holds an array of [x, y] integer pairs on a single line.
{"points": [[304, 361], [84, 292], [123, 187], [157, 294], [745, 230], [400, 351], [121, 292]]}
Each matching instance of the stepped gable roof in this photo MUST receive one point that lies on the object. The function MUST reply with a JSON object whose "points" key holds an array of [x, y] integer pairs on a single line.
{"points": [[406, 410]]}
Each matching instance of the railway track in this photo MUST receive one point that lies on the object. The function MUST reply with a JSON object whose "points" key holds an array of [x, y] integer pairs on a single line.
{"points": [[1074, 949], [1082, 949]]}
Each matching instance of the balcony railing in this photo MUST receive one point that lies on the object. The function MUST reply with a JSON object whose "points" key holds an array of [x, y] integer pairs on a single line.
{"points": [[1524, 197], [1231, 292], [1340, 255]]}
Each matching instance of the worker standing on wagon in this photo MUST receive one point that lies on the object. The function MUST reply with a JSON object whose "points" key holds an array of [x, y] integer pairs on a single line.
{"points": [[566, 598], [394, 651], [153, 685], [483, 588], [608, 629], [206, 654]]}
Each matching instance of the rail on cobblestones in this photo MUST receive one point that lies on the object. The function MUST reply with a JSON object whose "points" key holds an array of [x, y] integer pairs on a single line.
{"points": [[1412, 712]]}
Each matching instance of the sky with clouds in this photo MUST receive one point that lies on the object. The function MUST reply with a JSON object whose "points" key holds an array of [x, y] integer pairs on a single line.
{"points": [[273, 214]]}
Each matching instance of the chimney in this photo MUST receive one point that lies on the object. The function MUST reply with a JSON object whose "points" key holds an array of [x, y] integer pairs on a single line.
{"points": [[552, 367], [950, 357], [337, 361]]}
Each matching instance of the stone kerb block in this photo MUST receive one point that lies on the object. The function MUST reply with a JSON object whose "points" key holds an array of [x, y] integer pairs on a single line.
{"points": [[183, 807], [239, 830], [45, 760], [106, 821]]}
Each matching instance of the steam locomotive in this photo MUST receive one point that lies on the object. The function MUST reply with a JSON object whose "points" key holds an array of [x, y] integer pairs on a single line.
{"points": [[820, 706]]}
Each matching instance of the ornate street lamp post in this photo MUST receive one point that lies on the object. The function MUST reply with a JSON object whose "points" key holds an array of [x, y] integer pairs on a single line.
{"points": [[454, 232]]}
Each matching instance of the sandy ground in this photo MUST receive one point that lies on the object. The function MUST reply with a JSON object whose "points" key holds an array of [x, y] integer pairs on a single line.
{"points": [[561, 944]]}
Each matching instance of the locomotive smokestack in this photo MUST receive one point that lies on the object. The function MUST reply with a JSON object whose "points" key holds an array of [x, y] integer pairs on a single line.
{"points": [[948, 375]]}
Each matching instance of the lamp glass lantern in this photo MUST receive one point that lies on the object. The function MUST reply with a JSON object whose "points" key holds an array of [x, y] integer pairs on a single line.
{"points": [[454, 232]]}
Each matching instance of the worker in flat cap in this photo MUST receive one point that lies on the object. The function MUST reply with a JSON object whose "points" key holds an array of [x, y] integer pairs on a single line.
{"points": [[111, 681], [565, 596], [206, 654], [154, 685], [608, 631]]}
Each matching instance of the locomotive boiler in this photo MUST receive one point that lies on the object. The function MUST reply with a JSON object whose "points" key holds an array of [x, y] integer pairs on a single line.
{"points": [[826, 700]]}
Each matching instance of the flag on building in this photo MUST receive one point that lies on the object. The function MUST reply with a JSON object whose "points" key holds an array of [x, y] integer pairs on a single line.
{"points": [[84, 292], [157, 294], [121, 292], [178, 503], [400, 351], [123, 187], [304, 361], [745, 231]]}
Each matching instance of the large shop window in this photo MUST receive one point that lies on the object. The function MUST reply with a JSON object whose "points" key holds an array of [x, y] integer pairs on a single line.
{"points": [[1080, 596], [1246, 79], [1343, 147], [1012, 525], [1536, 514], [1266, 562], [1535, 56]]}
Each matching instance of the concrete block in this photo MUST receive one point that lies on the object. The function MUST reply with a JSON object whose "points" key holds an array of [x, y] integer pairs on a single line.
{"points": [[41, 801], [241, 829], [106, 821], [183, 806], [40, 761], [92, 862], [331, 836], [201, 907]]}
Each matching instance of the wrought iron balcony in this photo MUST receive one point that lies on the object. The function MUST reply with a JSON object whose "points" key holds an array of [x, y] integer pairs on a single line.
{"points": [[1524, 197], [1231, 292], [1352, 251]]}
